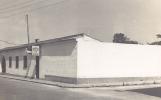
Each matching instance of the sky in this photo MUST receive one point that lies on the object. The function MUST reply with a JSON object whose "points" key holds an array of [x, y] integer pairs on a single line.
{"points": [[139, 20]]}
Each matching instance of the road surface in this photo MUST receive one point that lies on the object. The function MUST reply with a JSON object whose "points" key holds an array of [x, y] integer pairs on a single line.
{"points": [[150, 91], [21, 90], [11, 89]]}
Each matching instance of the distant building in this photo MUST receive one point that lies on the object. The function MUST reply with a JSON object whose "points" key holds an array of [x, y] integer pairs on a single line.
{"points": [[81, 59]]}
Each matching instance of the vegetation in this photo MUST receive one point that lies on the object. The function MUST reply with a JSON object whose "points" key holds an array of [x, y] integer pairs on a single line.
{"points": [[121, 38], [156, 42]]}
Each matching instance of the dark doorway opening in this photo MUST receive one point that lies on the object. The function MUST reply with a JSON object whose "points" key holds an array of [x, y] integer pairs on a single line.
{"points": [[3, 63], [37, 67]]}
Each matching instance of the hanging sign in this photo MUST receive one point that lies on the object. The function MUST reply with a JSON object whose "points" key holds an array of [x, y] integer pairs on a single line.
{"points": [[35, 50]]}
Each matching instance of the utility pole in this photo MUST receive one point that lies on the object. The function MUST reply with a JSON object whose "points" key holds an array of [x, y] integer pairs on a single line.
{"points": [[28, 32], [28, 38]]}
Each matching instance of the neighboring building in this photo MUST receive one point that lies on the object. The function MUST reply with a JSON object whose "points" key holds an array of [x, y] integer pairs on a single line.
{"points": [[81, 59]]}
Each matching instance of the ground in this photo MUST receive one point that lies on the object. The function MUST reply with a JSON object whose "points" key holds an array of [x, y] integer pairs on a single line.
{"points": [[150, 91], [11, 89]]}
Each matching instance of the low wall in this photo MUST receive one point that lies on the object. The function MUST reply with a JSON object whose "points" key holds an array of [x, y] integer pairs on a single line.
{"points": [[114, 60]]}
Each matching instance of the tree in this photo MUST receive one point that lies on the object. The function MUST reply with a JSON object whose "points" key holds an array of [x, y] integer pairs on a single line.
{"points": [[121, 38], [156, 42]]}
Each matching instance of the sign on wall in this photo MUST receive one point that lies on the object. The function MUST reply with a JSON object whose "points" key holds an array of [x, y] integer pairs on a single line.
{"points": [[35, 50]]}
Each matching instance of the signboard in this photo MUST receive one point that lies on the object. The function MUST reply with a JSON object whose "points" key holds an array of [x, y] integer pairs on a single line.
{"points": [[35, 50]]}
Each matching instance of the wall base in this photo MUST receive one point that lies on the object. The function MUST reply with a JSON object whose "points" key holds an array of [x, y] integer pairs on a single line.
{"points": [[71, 80], [115, 80], [61, 79], [98, 80]]}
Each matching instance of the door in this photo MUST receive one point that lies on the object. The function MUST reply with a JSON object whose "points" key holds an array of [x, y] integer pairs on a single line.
{"points": [[37, 67], [3, 63]]}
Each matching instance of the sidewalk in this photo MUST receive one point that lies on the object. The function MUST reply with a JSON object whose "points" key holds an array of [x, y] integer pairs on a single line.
{"points": [[120, 85]]}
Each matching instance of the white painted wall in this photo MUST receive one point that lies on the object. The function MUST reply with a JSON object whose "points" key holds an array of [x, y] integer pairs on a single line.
{"points": [[56, 59], [59, 59], [108, 60], [20, 71], [89, 58]]}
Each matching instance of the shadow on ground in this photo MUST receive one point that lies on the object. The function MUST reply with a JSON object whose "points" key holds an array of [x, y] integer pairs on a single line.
{"points": [[149, 91]]}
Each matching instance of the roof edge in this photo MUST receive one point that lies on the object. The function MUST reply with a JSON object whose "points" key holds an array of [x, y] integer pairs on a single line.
{"points": [[75, 36]]}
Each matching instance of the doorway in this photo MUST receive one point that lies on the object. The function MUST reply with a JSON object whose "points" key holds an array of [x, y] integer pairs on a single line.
{"points": [[3, 63], [37, 67]]}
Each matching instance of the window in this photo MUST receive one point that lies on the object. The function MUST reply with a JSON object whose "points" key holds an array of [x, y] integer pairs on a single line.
{"points": [[24, 62], [10, 62], [17, 61]]}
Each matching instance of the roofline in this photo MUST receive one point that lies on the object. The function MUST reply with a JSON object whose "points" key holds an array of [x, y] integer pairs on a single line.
{"points": [[75, 36], [92, 37]]}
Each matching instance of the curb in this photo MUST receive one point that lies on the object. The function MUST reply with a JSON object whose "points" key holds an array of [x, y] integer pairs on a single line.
{"points": [[38, 81], [66, 85]]}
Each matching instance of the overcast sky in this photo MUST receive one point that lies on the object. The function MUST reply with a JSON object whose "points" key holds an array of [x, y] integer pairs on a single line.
{"points": [[139, 19]]}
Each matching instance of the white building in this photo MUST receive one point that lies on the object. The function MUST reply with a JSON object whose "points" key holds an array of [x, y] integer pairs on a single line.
{"points": [[81, 59]]}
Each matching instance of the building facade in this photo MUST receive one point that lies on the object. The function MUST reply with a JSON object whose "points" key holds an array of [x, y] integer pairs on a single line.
{"points": [[81, 59], [57, 58]]}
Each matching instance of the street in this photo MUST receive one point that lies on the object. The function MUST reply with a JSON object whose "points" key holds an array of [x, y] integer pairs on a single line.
{"points": [[150, 91], [11, 89], [22, 90]]}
